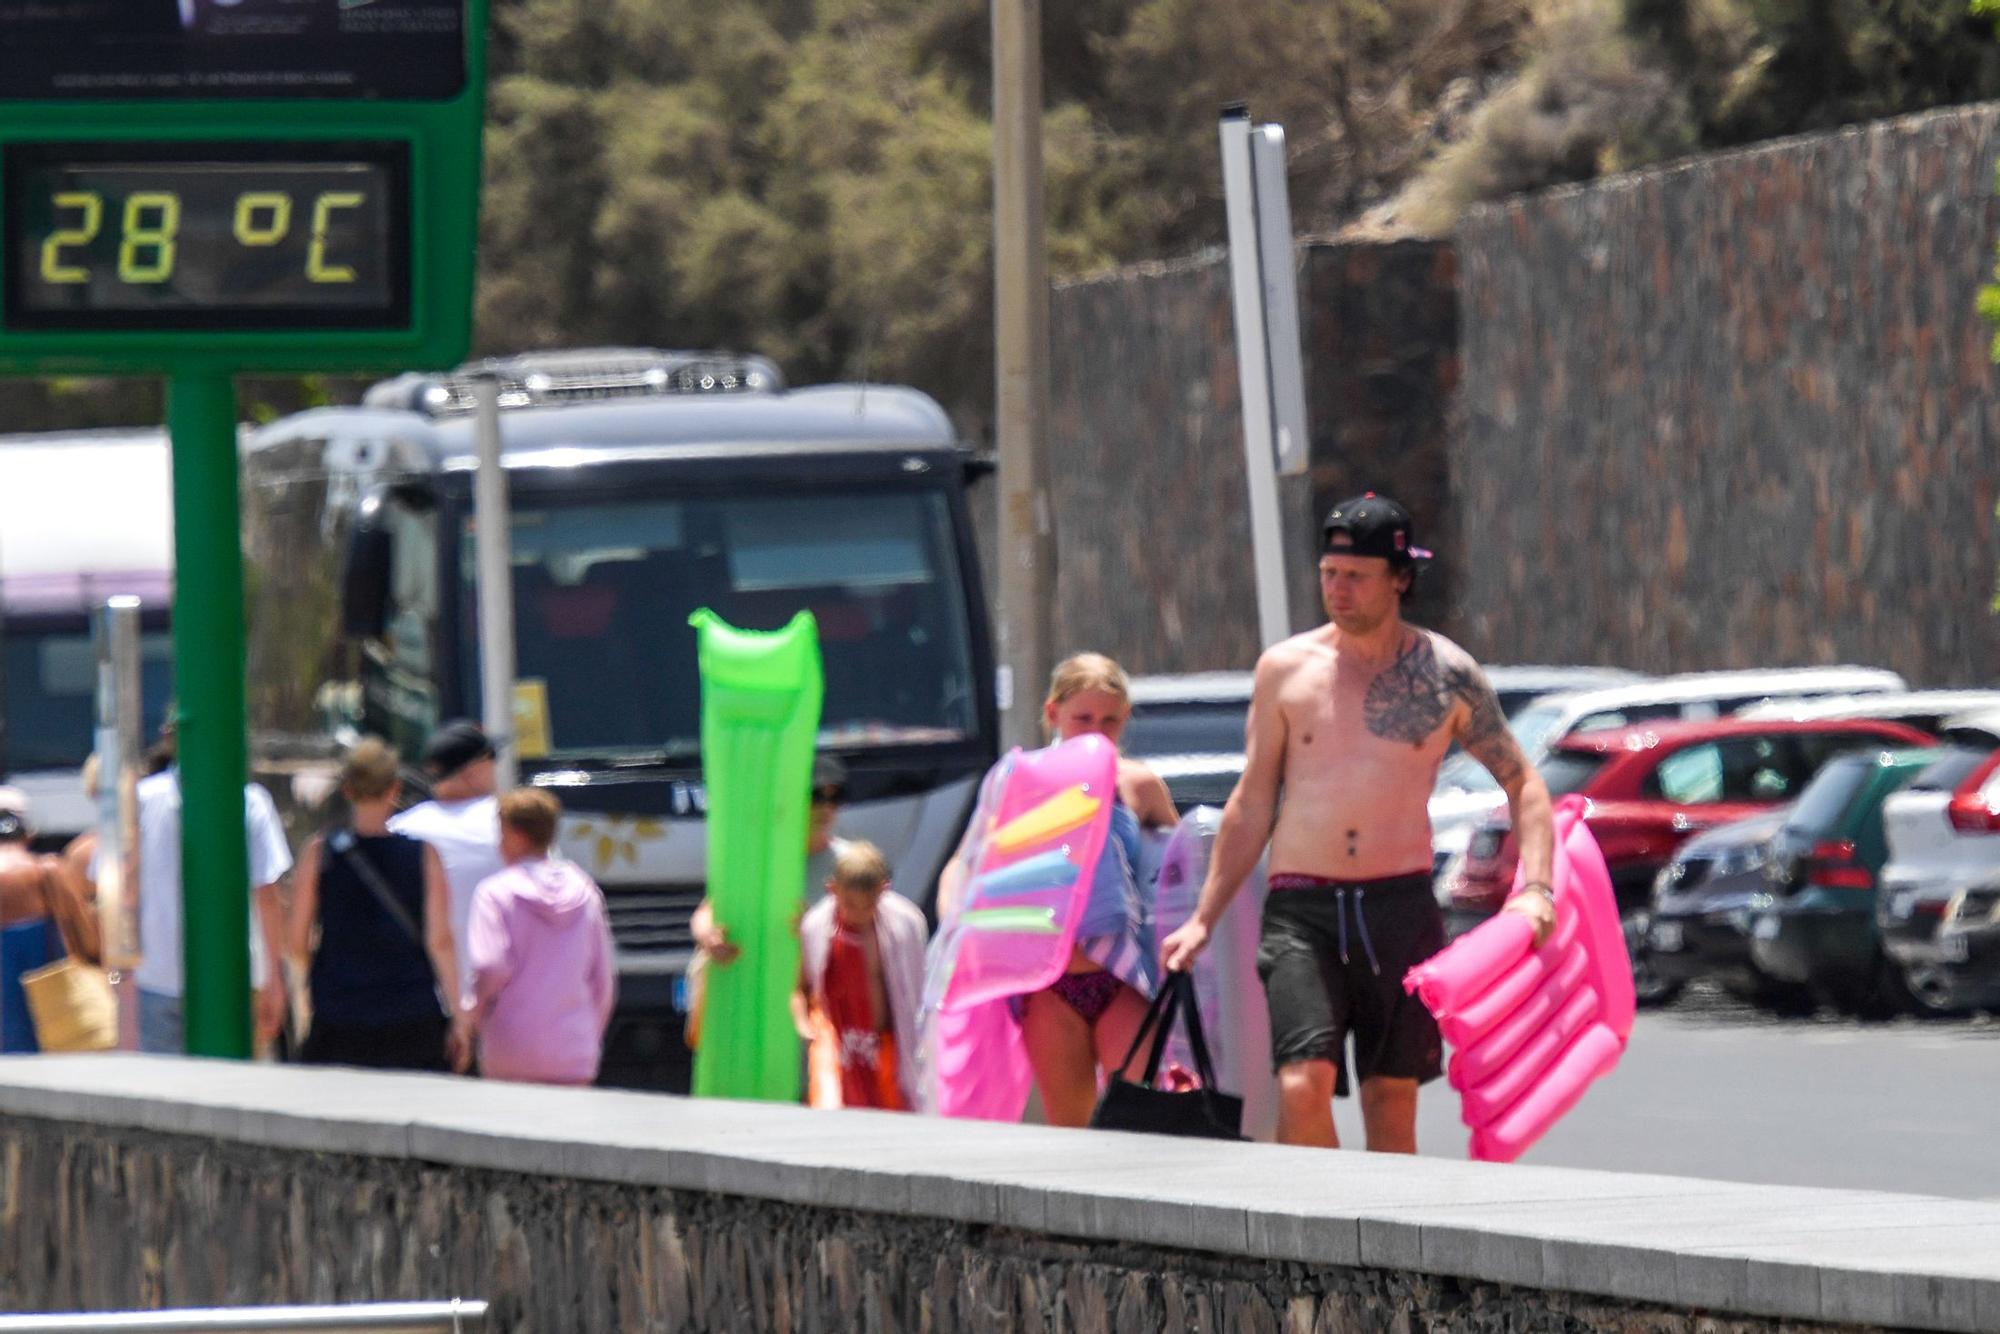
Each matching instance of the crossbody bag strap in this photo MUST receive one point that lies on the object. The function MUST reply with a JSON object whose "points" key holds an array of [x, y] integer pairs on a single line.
{"points": [[372, 878]]}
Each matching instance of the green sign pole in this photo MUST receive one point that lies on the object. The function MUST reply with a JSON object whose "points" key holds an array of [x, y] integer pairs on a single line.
{"points": [[208, 673]]}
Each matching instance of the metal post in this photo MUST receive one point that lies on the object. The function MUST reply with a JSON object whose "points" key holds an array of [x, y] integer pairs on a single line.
{"points": [[1260, 457], [208, 675], [1281, 298], [492, 533], [120, 740], [1021, 355]]}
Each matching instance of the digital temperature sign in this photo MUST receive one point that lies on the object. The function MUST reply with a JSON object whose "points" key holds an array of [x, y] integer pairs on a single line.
{"points": [[206, 236]]}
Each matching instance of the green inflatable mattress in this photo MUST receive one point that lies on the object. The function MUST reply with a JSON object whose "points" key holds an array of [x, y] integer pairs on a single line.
{"points": [[760, 706]]}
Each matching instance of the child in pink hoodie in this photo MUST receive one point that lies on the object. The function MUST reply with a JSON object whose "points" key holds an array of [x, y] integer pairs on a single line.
{"points": [[542, 975]]}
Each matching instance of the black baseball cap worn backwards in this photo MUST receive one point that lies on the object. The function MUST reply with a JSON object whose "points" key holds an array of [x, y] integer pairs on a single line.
{"points": [[455, 745], [1371, 525]]}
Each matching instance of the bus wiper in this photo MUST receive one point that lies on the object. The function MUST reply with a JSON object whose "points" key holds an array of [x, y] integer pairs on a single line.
{"points": [[679, 753]]}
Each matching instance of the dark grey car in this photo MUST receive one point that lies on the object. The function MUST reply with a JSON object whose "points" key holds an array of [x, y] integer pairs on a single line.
{"points": [[1704, 901]]}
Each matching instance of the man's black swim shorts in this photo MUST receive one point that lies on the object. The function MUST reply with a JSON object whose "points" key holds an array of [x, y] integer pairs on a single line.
{"points": [[1332, 955]]}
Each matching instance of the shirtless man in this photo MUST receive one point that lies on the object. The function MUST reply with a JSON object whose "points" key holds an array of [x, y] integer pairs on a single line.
{"points": [[1350, 721]]}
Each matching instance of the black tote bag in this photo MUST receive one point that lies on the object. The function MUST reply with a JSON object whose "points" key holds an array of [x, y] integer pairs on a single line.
{"points": [[1203, 1113]]}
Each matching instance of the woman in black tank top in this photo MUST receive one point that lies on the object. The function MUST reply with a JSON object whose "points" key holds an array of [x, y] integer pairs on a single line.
{"points": [[369, 909]]}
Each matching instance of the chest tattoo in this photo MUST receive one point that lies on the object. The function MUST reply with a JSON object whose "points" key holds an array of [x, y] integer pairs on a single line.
{"points": [[1409, 699]]}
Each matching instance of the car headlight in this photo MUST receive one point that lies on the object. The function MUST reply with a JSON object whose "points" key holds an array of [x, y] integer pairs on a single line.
{"points": [[1740, 861]]}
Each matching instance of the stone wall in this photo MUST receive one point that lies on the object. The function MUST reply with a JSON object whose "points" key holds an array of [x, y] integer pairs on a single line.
{"points": [[1152, 522], [99, 1220], [1738, 412]]}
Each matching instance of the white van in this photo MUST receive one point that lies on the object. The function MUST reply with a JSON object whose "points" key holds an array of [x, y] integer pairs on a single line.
{"points": [[84, 515]]}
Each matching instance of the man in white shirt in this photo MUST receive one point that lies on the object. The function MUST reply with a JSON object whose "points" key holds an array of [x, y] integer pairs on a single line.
{"points": [[162, 1026], [461, 821]]}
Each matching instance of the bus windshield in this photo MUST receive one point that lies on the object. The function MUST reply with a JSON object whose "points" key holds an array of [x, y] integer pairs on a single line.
{"points": [[603, 591], [51, 684]]}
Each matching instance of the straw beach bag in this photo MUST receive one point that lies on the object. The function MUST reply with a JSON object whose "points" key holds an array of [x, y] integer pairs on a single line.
{"points": [[71, 1001], [73, 1007]]}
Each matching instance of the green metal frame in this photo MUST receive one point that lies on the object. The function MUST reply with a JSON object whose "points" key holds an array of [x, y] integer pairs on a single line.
{"points": [[443, 138], [444, 147]]}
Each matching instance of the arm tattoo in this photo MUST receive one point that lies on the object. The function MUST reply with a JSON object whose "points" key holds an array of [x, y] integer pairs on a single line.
{"points": [[1409, 699], [1485, 735]]}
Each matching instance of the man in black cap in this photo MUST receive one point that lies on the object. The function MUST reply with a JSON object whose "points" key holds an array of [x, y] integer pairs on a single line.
{"points": [[1349, 722], [461, 821]]}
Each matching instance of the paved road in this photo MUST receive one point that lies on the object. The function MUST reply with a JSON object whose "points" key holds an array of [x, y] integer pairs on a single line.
{"points": [[1713, 1088]]}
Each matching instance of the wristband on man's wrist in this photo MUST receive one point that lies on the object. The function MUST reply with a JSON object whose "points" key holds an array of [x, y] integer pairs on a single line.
{"points": [[1541, 887]]}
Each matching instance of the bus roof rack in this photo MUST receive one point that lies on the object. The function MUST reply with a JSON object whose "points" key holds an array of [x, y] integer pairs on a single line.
{"points": [[579, 375]]}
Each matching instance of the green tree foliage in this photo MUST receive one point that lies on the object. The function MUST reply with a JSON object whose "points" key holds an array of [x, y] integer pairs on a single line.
{"points": [[1587, 101]]}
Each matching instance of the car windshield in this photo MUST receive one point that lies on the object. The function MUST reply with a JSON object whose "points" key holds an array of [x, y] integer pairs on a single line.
{"points": [[1533, 728], [603, 591], [51, 684], [1948, 770], [1567, 771], [1186, 727], [1826, 798]]}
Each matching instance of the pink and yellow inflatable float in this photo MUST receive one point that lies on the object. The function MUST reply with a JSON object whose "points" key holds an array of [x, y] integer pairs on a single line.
{"points": [[1030, 854]]}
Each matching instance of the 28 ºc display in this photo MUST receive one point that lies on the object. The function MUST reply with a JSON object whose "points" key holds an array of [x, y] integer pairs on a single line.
{"points": [[199, 236]]}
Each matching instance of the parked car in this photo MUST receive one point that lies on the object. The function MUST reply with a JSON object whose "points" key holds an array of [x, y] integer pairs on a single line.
{"points": [[1519, 685], [1943, 836], [1978, 729], [1928, 710], [1704, 901], [1652, 787], [1968, 974], [1465, 793], [1818, 931], [1189, 728]]}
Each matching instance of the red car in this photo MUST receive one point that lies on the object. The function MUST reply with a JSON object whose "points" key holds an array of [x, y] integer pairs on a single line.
{"points": [[1651, 787]]}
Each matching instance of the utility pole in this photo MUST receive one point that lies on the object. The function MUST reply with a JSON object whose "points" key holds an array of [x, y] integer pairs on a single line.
{"points": [[494, 545], [1021, 355]]}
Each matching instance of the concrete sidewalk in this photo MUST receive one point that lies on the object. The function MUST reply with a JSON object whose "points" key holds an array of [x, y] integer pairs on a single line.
{"points": [[1828, 1255]]}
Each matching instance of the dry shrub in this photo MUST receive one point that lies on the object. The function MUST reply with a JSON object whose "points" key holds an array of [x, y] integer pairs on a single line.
{"points": [[1586, 102]]}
